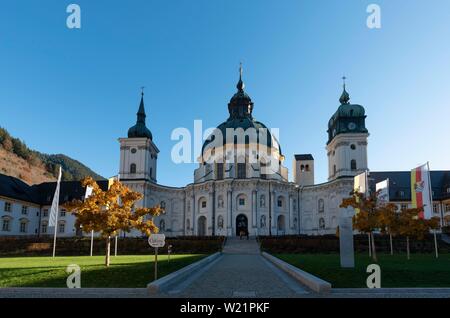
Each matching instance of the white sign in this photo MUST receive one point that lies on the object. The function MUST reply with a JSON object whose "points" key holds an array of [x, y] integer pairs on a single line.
{"points": [[157, 240]]}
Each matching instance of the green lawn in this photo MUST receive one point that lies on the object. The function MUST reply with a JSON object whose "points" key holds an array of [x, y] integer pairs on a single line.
{"points": [[124, 271], [422, 270]]}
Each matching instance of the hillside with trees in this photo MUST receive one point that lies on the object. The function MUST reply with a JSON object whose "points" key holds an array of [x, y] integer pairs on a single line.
{"points": [[34, 167]]}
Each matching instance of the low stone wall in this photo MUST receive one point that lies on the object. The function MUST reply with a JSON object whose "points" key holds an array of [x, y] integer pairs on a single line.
{"points": [[33, 246], [330, 244]]}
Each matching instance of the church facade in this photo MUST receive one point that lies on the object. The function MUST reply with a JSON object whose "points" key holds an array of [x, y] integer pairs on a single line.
{"points": [[241, 183], [241, 189]]}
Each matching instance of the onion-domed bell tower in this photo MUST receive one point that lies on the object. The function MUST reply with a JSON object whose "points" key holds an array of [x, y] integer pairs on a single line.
{"points": [[138, 153], [347, 139]]}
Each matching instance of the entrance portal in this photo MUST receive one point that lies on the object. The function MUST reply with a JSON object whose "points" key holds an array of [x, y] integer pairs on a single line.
{"points": [[241, 224]]}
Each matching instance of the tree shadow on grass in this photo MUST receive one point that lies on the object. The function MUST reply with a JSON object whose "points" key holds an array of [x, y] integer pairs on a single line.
{"points": [[134, 275]]}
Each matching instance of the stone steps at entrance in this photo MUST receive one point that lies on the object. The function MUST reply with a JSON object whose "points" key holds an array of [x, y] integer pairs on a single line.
{"points": [[234, 245]]}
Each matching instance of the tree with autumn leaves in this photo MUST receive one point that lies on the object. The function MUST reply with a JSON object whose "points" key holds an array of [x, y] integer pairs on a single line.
{"points": [[373, 215], [111, 211]]}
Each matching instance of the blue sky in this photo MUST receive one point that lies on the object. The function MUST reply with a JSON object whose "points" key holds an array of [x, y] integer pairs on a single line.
{"points": [[77, 91]]}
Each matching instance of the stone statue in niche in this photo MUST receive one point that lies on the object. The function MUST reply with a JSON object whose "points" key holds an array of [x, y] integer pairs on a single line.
{"points": [[262, 201], [263, 222], [220, 222]]}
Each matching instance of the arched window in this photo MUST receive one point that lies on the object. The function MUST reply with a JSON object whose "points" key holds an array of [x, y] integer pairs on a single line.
{"points": [[321, 205], [133, 168], [334, 170], [163, 205], [281, 202], [307, 168], [241, 201], [353, 164], [302, 168]]}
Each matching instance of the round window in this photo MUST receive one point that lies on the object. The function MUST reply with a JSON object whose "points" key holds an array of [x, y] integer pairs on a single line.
{"points": [[133, 150], [353, 147]]}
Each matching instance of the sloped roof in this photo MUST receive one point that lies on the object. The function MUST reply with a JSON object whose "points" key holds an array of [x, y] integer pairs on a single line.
{"points": [[42, 194]]}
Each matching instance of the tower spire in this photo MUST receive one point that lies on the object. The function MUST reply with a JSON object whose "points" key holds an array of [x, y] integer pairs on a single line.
{"points": [[240, 85], [345, 97], [141, 112]]}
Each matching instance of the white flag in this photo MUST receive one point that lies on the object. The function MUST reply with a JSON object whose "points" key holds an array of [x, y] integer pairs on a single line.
{"points": [[55, 203], [360, 183], [88, 192], [383, 195]]}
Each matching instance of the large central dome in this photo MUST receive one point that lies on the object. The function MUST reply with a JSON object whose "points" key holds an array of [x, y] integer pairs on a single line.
{"points": [[240, 109]]}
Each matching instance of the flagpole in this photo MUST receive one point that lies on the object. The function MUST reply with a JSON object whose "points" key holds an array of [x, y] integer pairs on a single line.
{"points": [[115, 247], [430, 189], [56, 226], [92, 241]]}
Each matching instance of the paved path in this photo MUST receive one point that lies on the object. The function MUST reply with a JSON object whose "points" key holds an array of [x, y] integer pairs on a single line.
{"points": [[241, 271]]}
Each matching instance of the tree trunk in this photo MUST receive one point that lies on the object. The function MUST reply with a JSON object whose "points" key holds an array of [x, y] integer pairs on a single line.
{"points": [[392, 248], [108, 251], [407, 246], [374, 252]]}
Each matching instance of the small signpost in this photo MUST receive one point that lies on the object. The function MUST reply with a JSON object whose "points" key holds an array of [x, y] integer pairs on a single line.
{"points": [[156, 240]]}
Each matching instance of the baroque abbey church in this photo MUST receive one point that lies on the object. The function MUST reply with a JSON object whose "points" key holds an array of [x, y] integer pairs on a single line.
{"points": [[244, 188]]}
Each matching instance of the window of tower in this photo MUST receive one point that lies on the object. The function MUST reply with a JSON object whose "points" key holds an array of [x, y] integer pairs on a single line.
{"points": [[302, 168], [133, 168], [133, 150], [334, 169], [352, 147], [353, 164], [307, 168]]}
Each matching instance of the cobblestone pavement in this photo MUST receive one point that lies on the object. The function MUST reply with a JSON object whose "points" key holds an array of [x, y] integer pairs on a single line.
{"points": [[242, 272]]}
